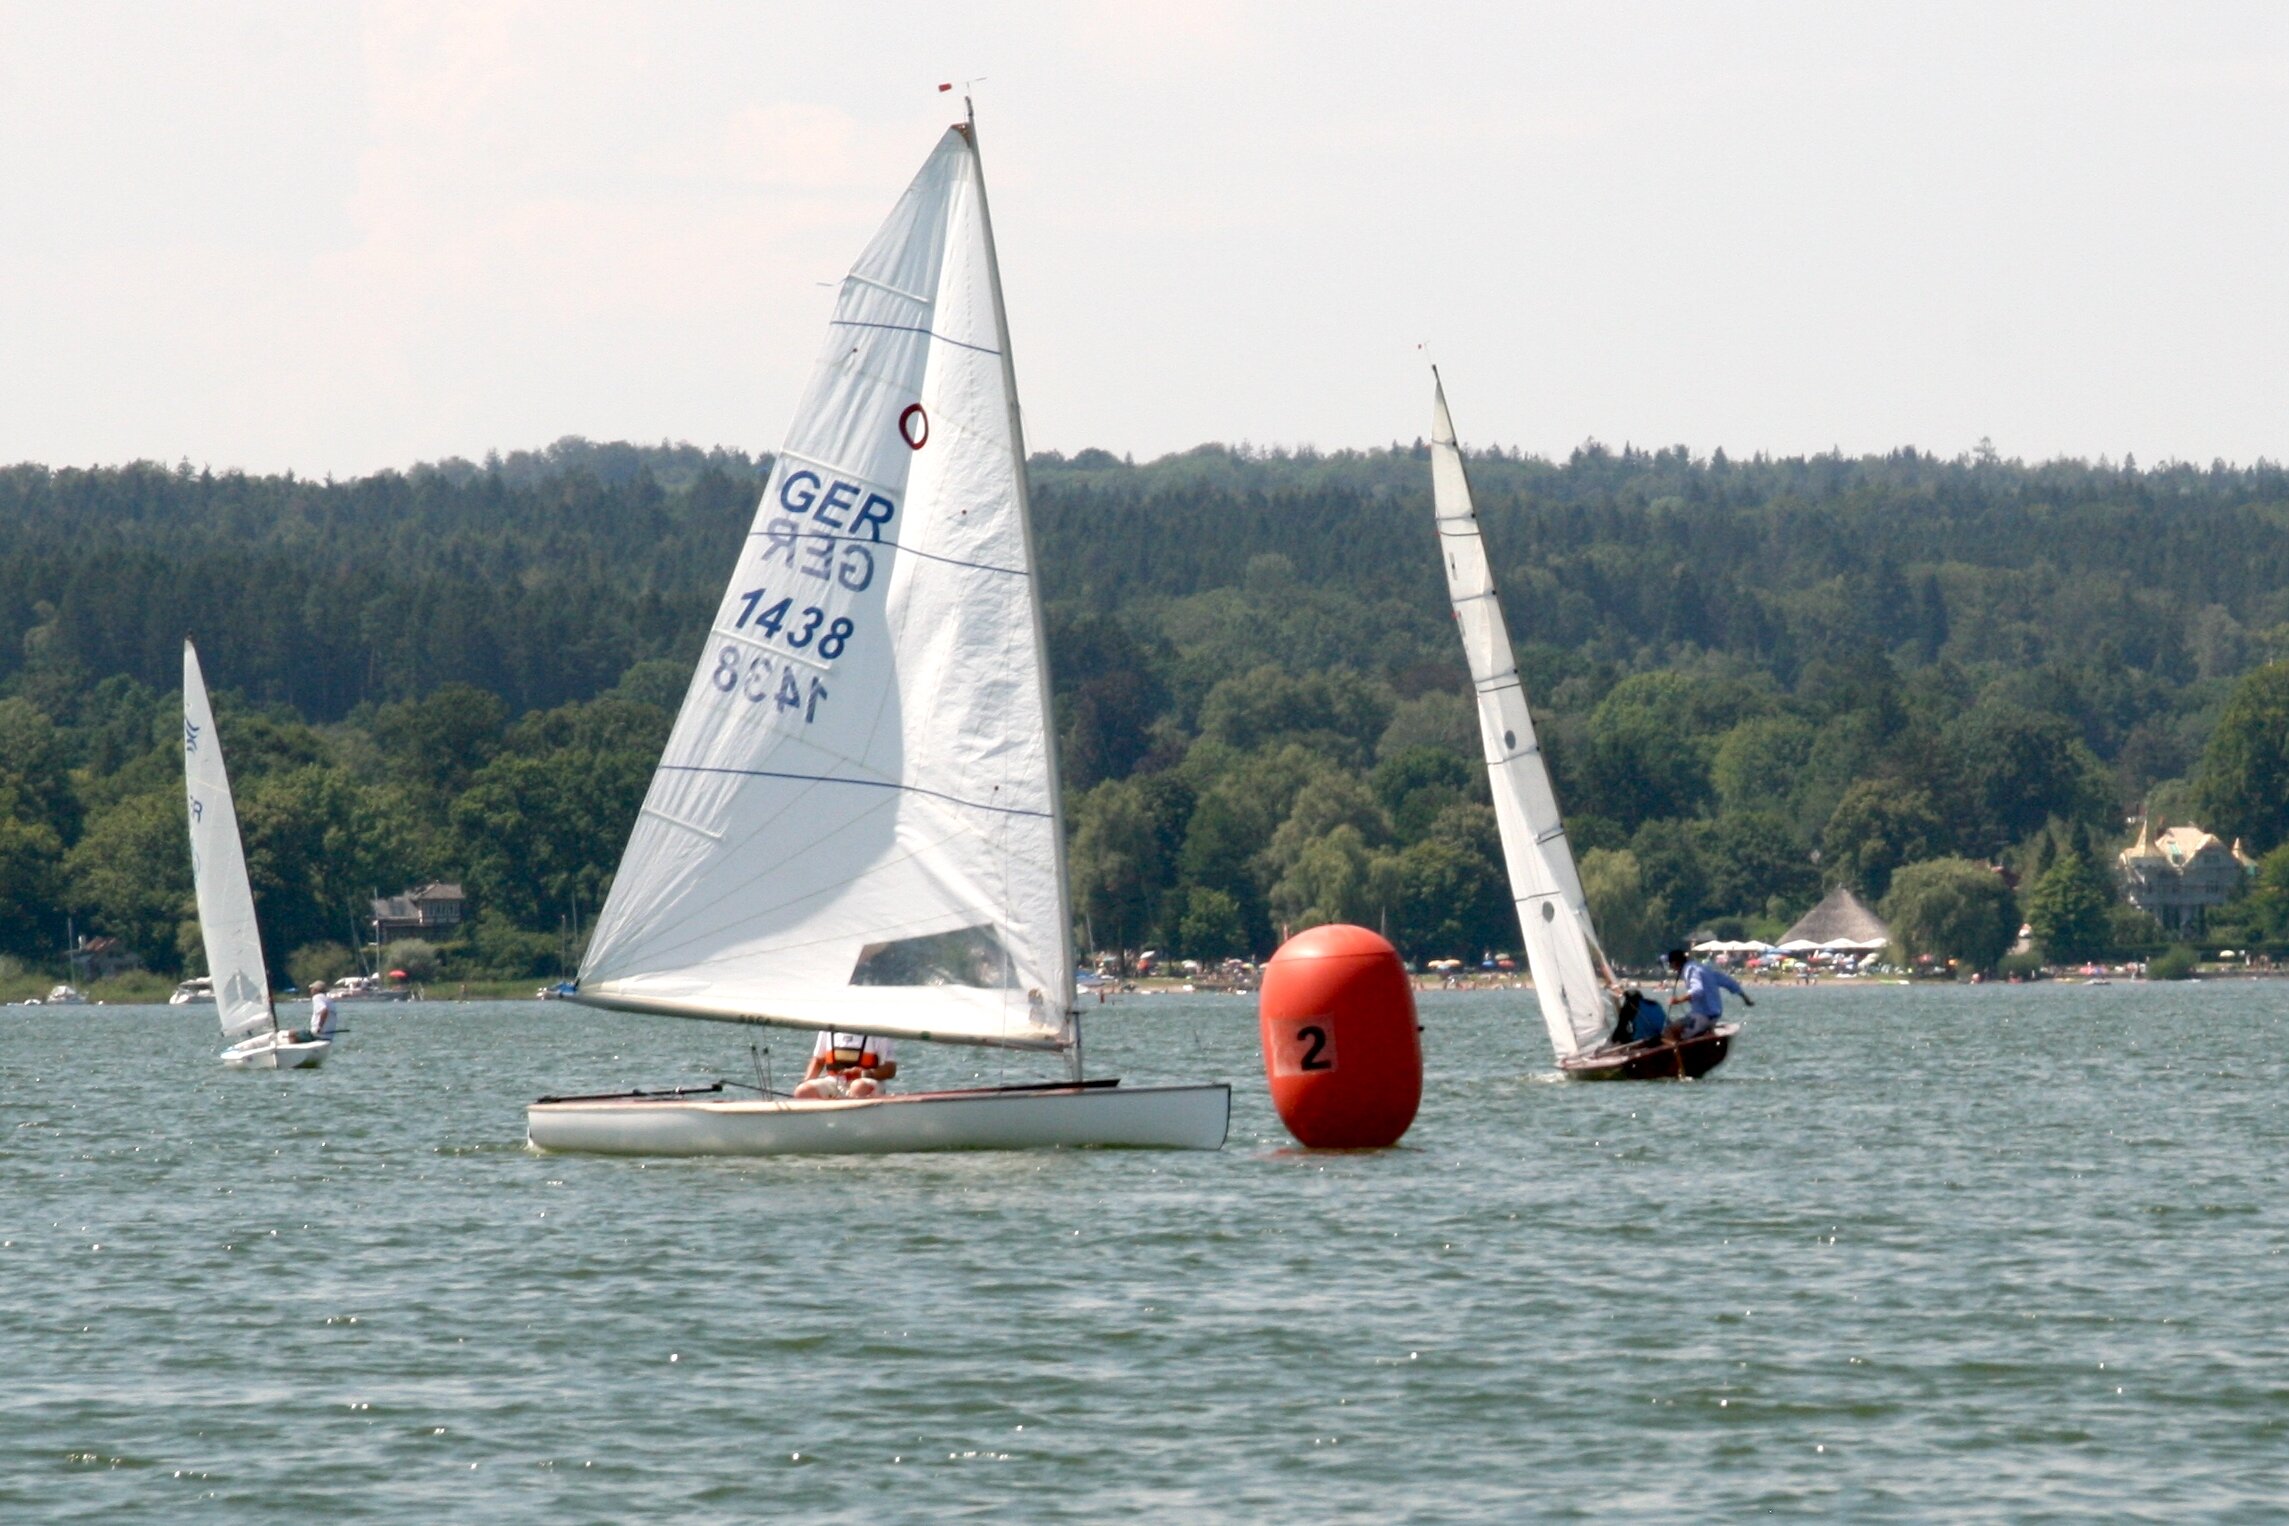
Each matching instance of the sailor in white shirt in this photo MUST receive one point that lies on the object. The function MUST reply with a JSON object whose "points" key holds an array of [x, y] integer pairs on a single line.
{"points": [[848, 1065], [322, 1017]]}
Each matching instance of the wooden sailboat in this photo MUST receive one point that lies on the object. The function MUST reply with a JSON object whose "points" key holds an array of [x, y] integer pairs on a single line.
{"points": [[855, 826], [1573, 983], [237, 979]]}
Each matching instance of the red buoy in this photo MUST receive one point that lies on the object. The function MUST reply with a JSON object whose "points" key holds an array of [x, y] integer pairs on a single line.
{"points": [[1341, 1049]]}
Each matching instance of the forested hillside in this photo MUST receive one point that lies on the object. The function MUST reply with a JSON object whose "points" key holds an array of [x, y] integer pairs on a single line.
{"points": [[1755, 677]]}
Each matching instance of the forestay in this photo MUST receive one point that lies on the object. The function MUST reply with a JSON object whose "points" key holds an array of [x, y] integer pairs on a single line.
{"points": [[855, 823], [1553, 916], [218, 870]]}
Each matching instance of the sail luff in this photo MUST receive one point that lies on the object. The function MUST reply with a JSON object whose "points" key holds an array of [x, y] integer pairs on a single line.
{"points": [[227, 924], [1061, 993], [1553, 914]]}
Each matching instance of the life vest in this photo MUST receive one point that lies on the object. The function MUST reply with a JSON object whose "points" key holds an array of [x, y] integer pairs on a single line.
{"points": [[845, 1057]]}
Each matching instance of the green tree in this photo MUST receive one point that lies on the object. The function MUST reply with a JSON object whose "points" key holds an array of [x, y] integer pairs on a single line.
{"points": [[1446, 892], [1632, 925], [2243, 786], [130, 874], [1759, 764], [1327, 880], [316, 846], [35, 767], [1754, 858], [418, 957], [1674, 875], [1952, 908], [320, 961], [1329, 801], [1120, 864], [1415, 785], [1643, 762], [1210, 927], [1879, 825], [540, 836], [2268, 903], [31, 881], [438, 742], [1438, 720], [1338, 712], [2018, 770], [2070, 908]]}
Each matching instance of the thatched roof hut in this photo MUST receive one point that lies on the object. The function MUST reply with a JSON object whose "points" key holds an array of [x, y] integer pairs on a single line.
{"points": [[1841, 920]]}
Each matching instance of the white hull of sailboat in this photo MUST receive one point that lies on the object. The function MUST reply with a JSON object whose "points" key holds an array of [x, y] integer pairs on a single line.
{"points": [[1044, 1118], [270, 1051]]}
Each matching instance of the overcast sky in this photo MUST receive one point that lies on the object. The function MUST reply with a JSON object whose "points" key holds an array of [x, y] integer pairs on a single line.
{"points": [[339, 237]]}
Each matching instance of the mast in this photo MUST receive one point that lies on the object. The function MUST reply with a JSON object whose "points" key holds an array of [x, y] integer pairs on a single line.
{"points": [[1064, 992]]}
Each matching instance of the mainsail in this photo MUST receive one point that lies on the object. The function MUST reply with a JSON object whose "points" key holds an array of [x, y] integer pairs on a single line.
{"points": [[1553, 916], [218, 870], [855, 824]]}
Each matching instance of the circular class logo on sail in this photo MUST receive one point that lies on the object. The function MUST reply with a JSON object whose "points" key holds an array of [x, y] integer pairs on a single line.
{"points": [[914, 427]]}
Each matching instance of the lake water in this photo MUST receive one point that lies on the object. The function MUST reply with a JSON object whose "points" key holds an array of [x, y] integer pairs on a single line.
{"points": [[2007, 1252]]}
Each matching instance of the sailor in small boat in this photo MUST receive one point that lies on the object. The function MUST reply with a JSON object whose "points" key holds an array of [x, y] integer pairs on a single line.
{"points": [[1703, 996], [321, 1017], [1637, 1020], [848, 1065]]}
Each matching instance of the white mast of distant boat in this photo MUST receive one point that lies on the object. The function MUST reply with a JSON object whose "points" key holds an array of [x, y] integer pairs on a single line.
{"points": [[1569, 968], [856, 823], [227, 927]]}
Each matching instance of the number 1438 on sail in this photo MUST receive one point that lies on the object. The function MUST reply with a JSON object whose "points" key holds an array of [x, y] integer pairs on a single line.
{"points": [[763, 680]]}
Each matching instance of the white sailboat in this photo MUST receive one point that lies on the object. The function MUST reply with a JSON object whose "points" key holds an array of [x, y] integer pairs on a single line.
{"points": [[237, 978], [855, 825], [1571, 975]]}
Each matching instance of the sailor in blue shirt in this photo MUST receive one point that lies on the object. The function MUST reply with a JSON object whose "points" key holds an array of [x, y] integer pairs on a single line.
{"points": [[1704, 995]]}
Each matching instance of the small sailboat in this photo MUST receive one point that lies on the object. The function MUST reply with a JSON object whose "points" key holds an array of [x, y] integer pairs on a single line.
{"points": [[1572, 980], [237, 979], [855, 826]]}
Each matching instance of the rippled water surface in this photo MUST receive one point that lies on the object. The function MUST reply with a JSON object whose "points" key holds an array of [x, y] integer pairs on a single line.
{"points": [[2011, 1252]]}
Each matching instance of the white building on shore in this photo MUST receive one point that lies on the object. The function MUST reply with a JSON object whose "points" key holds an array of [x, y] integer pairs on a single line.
{"points": [[2176, 875]]}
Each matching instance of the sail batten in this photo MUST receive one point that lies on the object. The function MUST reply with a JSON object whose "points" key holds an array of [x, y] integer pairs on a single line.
{"points": [[1554, 919], [227, 924], [855, 821]]}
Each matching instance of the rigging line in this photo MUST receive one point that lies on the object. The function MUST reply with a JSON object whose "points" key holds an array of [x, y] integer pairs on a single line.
{"points": [[911, 328], [914, 789], [899, 546]]}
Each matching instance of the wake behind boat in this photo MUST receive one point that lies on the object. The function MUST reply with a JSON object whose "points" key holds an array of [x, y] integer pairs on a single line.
{"points": [[239, 982], [1572, 979], [855, 827]]}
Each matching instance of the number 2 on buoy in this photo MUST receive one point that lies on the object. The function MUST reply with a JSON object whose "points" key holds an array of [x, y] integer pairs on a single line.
{"points": [[1302, 1045]]}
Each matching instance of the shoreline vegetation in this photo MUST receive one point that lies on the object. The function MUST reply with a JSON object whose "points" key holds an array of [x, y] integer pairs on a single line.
{"points": [[1951, 683]]}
